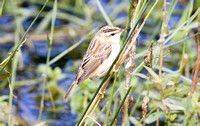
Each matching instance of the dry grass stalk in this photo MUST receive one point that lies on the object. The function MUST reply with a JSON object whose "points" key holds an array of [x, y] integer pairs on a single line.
{"points": [[145, 105], [161, 41], [130, 65], [95, 102], [197, 65], [148, 57]]}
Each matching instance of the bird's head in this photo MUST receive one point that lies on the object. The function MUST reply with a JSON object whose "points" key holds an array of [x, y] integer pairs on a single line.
{"points": [[110, 33]]}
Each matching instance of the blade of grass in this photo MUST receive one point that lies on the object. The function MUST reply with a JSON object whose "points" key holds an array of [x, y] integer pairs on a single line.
{"points": [[128, 20], [138, 8], [161, 41], [22, 39], [62, 5], [43, 25], [54, 14], [14, 70], [47, 60], [98, 114], [104, 13], [116, 114], [2, 7], [136, 70], [15, 62], [170, 10], [168, 45], [182, 64], [180, 41], [110, 100], [73, 18]]}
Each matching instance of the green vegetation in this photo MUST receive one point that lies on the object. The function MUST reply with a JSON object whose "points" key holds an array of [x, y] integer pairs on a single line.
{"points": [[154, 80]]}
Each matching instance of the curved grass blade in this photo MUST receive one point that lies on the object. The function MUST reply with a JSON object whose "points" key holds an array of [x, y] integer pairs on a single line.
{"points": [[104, 13], [22, 39], [2, 7]]}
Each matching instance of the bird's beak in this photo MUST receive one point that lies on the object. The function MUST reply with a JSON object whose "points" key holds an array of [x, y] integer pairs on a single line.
{"points": [[122, 30]]}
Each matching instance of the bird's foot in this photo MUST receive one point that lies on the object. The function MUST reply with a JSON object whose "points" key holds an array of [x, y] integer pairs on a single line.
{"points": [[101, 93], [116, 68]]}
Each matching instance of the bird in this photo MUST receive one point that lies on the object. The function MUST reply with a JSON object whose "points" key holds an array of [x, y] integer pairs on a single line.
{"points": [[101, 53]]}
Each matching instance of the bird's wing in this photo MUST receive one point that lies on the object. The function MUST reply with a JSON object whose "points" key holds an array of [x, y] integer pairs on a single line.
{"points": [[94, 57]]}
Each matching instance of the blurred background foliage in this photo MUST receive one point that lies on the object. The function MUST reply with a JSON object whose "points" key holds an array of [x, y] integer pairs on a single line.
{"points": [[73, 28]]}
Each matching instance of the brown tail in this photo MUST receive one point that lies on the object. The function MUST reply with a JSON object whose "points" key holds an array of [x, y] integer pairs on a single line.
{"points": [[74, 84]]}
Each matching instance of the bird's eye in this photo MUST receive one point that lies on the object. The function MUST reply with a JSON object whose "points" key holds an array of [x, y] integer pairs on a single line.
{"points": [[112, 34]]}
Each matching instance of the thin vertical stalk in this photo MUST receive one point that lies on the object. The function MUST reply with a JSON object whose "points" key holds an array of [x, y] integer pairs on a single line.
{"points": [[128, 20], [14, 63], [162, 40], [48, 58], [135, 12], [196, 69], [111, 98], [131, 18], [13, 76], [118, 110], [190, 7], [54, 12], [125, 111], [104, 13], [14, 70]]}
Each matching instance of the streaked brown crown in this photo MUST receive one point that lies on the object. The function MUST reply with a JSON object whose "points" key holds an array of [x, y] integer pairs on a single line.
{"points": [[109, 29]]}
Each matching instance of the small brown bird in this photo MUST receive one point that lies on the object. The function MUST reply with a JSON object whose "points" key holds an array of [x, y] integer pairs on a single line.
{"points": [[100, 55]]}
